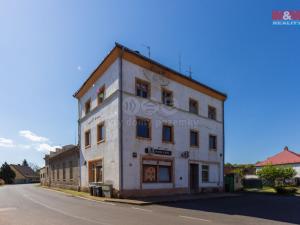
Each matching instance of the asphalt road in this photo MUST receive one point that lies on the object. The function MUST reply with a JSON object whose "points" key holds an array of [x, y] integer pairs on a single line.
{"points": [[31, 205]]}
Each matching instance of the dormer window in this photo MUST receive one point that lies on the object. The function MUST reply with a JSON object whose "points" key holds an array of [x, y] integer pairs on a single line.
{"points": [[87, 106], [167, 97]]}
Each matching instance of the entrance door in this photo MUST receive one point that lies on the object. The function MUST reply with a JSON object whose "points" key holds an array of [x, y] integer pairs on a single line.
{"points": [[194, 178]]}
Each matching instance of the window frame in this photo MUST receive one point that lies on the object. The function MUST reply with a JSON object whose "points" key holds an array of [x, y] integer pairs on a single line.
{"points": [[165, 90], [216, 142], [138, 80], [94, 173], [149, 127], [90, 138], [71, 175], [99, 140], [198, 141], [215, 112], [88, 102], [157, 168], [172, 133], [64, 171], [197, 108], [102, 89], [202, 171]]}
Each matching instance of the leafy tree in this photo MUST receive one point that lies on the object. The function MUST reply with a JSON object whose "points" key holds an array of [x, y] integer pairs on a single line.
{"points": [[276, 176], [7, 174], [24, 163]]}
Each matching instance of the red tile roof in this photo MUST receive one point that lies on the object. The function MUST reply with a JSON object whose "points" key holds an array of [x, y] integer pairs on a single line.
{"points": [[284, 157]]}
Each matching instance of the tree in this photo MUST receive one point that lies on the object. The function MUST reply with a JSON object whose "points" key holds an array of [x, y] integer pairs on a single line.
{"points": [[34, 167], [7, 174], [24, 163], [276, 176]]}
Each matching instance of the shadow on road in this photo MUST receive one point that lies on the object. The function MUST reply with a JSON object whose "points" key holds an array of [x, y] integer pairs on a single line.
{"points": [[271, 207]]}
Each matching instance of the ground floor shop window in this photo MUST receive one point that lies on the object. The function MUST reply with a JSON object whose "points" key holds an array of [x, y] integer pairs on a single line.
{"points": [[157, 171], [205, 173], [95, 171]]}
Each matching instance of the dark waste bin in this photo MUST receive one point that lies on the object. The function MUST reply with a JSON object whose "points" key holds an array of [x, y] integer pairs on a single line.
{"points": [[92, 191], [98, 191]]}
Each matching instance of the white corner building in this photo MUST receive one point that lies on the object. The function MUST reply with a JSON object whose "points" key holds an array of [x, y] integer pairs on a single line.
{"points": [[147, 130]]}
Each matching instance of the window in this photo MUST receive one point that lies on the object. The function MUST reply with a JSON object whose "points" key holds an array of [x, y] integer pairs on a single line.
{"points": [[157, 171], [95, 171], [212, 142], [167, 97], [57, 172], [64, 171], [53, 173], [205, 173], [142, 88], [193, 106], [87, 138], [100, 132], [212, 113], [194, 138], [167, 133], [71, 169], [87, 106], [143, 129], [101, 95]]}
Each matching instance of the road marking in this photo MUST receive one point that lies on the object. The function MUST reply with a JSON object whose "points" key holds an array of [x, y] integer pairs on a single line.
{"points": [[98, 201], [65, 213], [145, 210], [7, 209], [194, 218]]}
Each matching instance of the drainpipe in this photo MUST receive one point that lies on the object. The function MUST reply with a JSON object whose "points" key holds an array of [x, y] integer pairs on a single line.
{"points": [[79, 142], [223, 112], [121, 121]]}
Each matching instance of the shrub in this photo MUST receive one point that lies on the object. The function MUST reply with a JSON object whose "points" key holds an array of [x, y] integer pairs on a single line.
{"points": [[285, 190], [2, 182], [276, 176]]}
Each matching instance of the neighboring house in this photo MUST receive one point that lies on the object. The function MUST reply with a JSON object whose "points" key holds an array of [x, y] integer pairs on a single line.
{"points": [[24, 174], [61, 168], [149, 130], [284, 158]]}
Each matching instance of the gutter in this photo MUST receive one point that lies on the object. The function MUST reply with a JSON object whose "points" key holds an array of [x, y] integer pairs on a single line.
{"points": [[121, 121]]}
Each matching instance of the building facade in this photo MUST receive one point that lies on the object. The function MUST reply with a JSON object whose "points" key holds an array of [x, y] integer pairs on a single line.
{"points": [[285, 158], [62, 168], [148, 130], [24, 174]]}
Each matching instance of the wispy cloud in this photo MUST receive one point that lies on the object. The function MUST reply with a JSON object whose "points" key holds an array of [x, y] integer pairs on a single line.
{"points": [[32, 136], [6, 143], [46, 148], [79, 68]]}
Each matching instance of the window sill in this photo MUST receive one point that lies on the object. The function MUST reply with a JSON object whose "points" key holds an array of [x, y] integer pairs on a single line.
{"points": [[101, 141], [213, 149], [194, 146], [88, 146], [168, 142], [143, 138]]}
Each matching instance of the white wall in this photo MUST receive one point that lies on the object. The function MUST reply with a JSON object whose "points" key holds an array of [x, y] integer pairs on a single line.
{"points": [[157, 112], [107, 112]]}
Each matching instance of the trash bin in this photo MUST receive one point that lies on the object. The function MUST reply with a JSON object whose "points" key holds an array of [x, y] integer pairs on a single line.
{"points": [[98, 190], [92, 190], [107, 191]]}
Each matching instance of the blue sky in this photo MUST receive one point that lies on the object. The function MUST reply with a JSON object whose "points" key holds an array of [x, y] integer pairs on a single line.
{"points": [[48, 48]]}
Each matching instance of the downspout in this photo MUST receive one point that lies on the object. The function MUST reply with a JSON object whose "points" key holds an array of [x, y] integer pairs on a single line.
{"points": [[121, 122], [223, 143], [79, 143]]}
